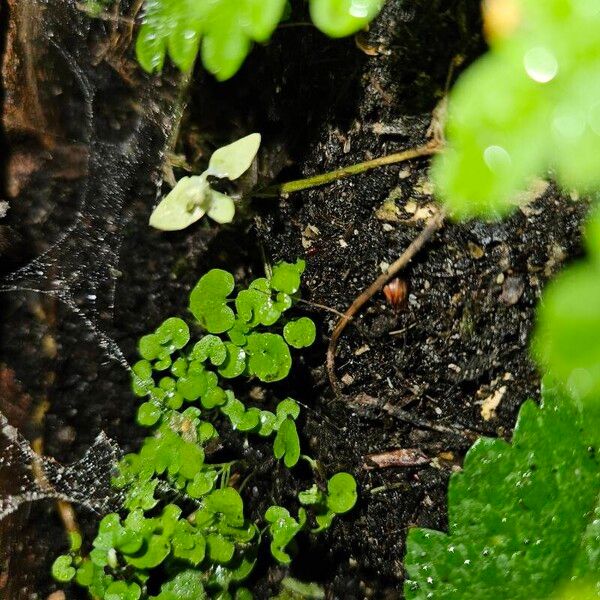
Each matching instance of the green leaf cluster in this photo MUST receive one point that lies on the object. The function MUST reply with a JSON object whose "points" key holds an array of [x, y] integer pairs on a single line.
{"points": [[250, 349], [523, 517], [224, 30], [339, 498], [182, 520]]}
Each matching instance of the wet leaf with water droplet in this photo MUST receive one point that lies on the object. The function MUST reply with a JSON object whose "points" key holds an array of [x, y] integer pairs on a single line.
{"points": [[523, 517]]}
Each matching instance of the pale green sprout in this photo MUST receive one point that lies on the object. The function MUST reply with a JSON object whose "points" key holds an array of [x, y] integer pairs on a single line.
{"points": [[193, 197]]}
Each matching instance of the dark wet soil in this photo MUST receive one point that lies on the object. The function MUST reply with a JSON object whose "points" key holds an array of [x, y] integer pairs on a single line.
{"points": [[450, 364]]}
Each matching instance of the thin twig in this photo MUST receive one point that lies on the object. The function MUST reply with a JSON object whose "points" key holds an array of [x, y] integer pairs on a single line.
{"points": [[321, 306], [323, 178], [432, 226]]}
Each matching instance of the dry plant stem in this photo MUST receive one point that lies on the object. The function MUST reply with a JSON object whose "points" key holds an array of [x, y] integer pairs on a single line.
{"points": [[432, 226], [310, 182]]}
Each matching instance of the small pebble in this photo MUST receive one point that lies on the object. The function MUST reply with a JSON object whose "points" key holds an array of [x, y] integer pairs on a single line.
{"points": [[347, 379], [512, 290]]}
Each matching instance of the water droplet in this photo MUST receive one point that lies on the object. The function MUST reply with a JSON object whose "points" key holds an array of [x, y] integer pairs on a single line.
{"points": [[359, 9], [497, 158], [540, 64]]}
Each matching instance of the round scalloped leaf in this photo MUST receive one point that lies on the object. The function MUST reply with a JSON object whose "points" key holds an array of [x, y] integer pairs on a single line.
{"points": [[249, 420], [283, 302], [85, 573], [256, 307], [206, 432], [174, 333], [228, 503], [120, 590], [149, 347], [341, 493], [288, 407], [148, 414], [300, 333], [235, 362], [339, 18], [237, 334], [214, 397], [286, 276], [129, 541], [179, 367], [186, 585], [192, 459], [192, 386], [62, 569], [312, 495], [156, 550], [268, 422], [210, 347], [208, 301], [233, 160], [141, 378], [202, 484], [183, 205], [269, 356], [220, 549]]}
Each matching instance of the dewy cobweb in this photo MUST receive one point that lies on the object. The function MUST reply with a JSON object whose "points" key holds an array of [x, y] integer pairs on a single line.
{"points": [[123, 128], [116, 123], [27, 477]]}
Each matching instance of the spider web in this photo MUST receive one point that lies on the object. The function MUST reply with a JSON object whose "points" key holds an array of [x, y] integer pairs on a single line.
{"points": [[117, 123], [26, 477], [121, 133]]}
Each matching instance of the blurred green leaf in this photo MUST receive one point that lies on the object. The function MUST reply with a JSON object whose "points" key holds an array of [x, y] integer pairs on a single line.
{"points": [[223, 30], [567, 336], [339, 18], [529, 105]]}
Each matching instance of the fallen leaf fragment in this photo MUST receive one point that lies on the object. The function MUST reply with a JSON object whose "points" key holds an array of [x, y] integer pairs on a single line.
{"points": [[398, 458], [491, 403]]}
